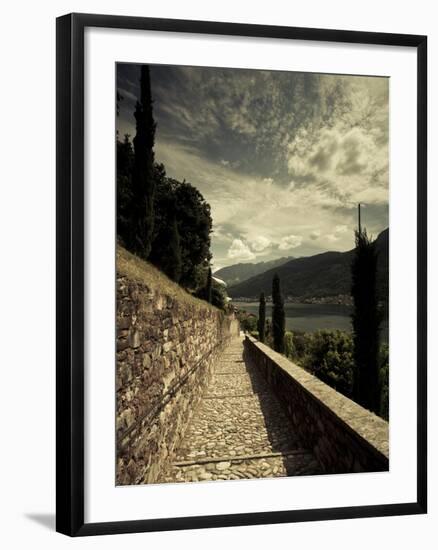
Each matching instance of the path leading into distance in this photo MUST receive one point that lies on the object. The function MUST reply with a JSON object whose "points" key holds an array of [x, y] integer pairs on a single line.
{"points": [[239, 430]]}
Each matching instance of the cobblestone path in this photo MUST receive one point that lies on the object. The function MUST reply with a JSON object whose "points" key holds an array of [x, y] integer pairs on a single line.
{"points": [[239, 430]]}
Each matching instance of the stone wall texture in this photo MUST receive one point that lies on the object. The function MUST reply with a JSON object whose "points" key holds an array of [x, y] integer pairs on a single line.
{"points": [[166, 347], [343, 436]]}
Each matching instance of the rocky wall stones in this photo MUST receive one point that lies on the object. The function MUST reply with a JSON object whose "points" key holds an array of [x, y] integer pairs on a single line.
{"points": [[165, 350], [342, 435]]}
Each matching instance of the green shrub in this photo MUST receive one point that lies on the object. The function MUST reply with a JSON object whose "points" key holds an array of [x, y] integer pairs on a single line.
{"points": [[289, 348], [247, 321], [301, 341], [329, 356], [218, 297]]}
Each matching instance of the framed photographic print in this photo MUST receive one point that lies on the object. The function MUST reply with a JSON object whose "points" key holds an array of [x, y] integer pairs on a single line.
{"points": [[241, 274]]}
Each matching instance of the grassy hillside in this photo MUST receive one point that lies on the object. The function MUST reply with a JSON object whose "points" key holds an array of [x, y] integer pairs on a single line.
{"points": [[134, 268], [326, 274]]}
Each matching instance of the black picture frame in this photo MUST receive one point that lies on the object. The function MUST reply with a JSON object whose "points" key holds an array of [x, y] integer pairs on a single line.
{"points": [[70, 273]]}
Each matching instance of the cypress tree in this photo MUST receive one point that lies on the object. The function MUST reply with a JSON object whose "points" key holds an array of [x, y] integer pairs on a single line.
{"points": [[278, 316], [142, 209], [366, 319], [208, 286], [262, 317], [125, 157], [173, 260]]}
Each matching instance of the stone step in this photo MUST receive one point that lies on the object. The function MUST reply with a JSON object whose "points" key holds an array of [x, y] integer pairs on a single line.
{"points": [[239, 458]]}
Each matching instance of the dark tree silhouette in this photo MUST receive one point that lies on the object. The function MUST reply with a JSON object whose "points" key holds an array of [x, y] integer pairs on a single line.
{"points": [[125, 158], [262, 317], [278, 316], [366, 319], [142, 209], [171, 251], [194, 222], [160, 219], [208, 286]]}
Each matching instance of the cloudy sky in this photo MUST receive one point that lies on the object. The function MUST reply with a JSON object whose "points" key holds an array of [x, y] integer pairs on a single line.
{"points": [[282, 158]]}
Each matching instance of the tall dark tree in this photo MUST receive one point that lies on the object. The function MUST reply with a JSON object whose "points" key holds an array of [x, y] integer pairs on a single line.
{"points": [[195, 223], [172, 252], [278, 315], [262, 317], [142, 209], [366, 319], [125, 158], [208, 295]]}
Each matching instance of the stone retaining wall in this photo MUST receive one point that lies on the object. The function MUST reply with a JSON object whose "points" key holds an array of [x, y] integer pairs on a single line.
{"points": [[344, 436], [165, 349]]}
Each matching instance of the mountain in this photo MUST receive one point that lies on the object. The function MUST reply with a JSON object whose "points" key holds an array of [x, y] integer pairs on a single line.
{"points": [[322, 275], [238, 273]]}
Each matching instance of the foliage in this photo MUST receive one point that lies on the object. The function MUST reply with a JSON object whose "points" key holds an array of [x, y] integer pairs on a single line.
{"points": [[278, 315], [218, 297], [211, 291], [171, 251], [300, 344], [131, 266], [195, 224], [248, 322], [262, 318], [193, 219], [125, 160], [366, 319], [139, 238], [208, 288], [268, 334], [289, 348], [329, 356], [160, 219]]}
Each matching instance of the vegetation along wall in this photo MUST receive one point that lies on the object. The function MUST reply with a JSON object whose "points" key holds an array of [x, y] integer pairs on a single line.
{"points": [[343, 436], [167, 342]]}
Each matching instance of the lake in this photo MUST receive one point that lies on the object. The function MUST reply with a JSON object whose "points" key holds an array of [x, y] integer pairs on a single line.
{"points": [[311, 317]]}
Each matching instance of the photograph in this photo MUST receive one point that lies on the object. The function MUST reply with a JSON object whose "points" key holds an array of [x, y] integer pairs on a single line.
{"points": [[252, 274]]}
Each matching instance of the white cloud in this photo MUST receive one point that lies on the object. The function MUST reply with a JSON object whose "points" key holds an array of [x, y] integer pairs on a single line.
{"points": [[291, 241], [277, 155], [338, 233], [245, 207], [240, 251], [260, 243], [345, 157], [339, 229]]}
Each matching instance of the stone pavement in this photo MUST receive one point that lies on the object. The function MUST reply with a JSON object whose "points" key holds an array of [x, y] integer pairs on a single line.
{"points": [[239, 430]]}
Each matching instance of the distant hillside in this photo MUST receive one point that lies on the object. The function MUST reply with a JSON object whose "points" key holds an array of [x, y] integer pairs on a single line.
{"points": [[238, 273], [322, 275]]}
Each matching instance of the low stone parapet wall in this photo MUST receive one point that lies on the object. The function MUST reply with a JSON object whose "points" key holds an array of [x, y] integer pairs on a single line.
{"points": [[343, 436]]}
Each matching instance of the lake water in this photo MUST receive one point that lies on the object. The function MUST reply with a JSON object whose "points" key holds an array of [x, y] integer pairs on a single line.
{"points": [[311, 317]]}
